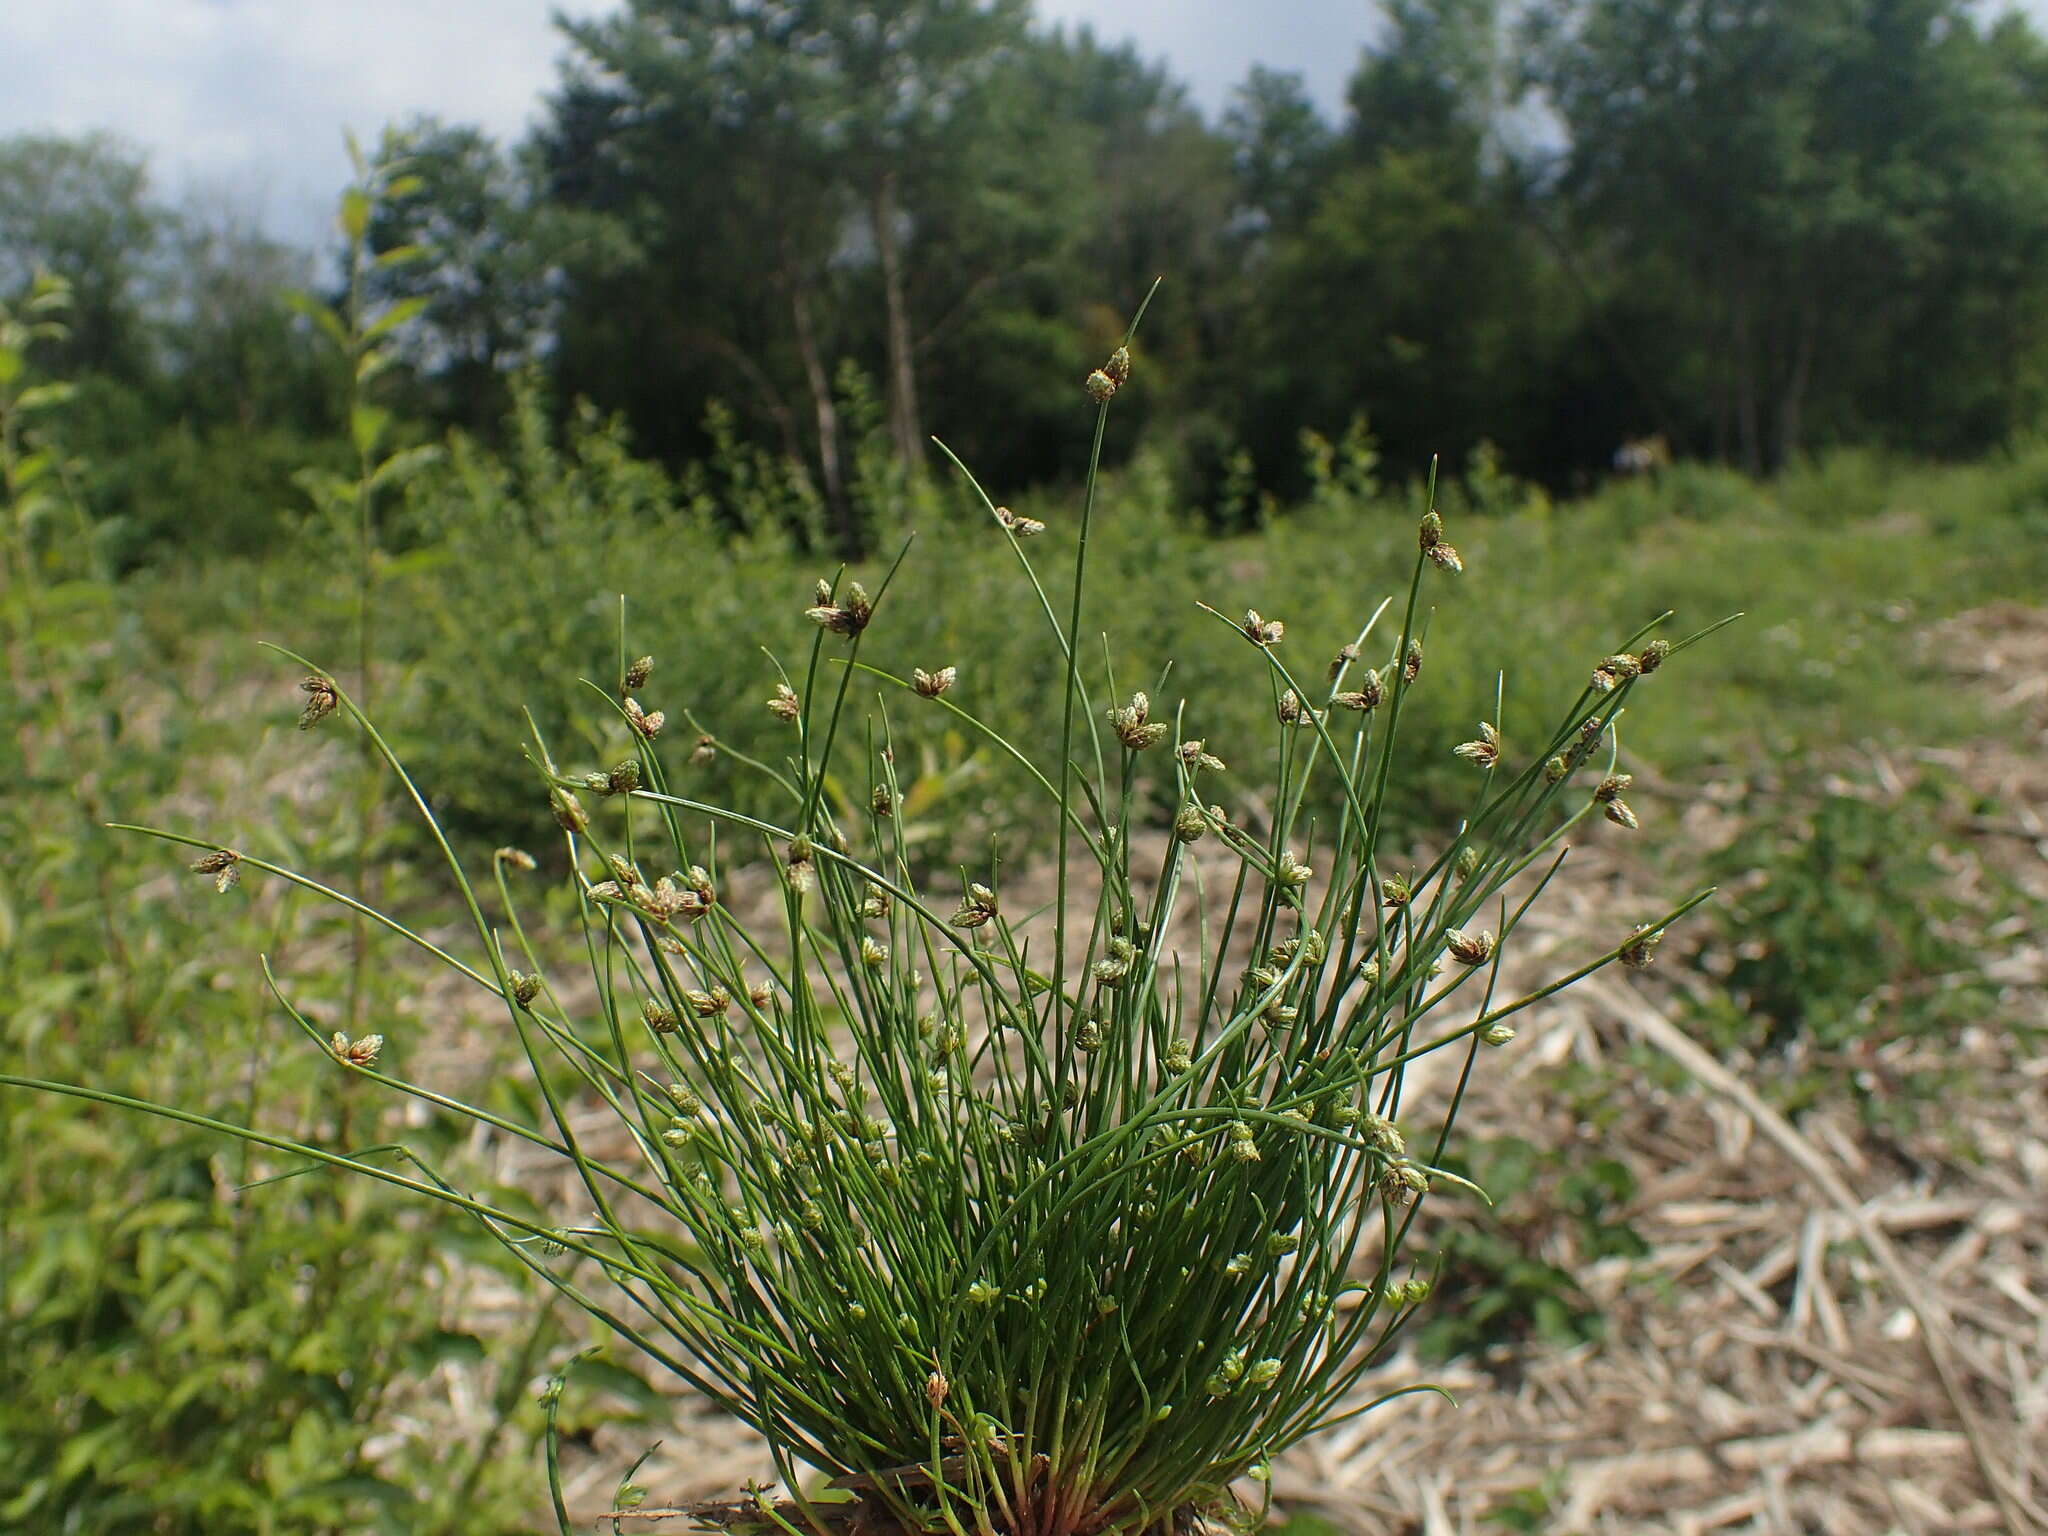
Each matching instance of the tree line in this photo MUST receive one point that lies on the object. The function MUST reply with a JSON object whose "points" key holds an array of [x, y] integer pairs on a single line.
{"points": [[836, 228]]}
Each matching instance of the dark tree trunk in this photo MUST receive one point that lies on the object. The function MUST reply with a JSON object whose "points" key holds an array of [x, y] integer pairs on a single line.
{"points": [[906, 431], [838, 509]]}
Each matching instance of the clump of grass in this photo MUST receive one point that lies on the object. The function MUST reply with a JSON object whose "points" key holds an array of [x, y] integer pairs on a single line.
{"points": [[1012, 1220]]}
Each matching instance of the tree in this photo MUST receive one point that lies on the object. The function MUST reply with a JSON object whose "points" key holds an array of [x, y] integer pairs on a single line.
{"points": [[825, 146], [1279, 148], [1810, 181], [482, 277], [80, 207], [1412, 289]]}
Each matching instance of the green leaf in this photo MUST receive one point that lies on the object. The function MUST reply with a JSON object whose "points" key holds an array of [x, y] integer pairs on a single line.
{"points": [[394, 317], [355, 214], [403, 465], [399, 256], [331, 324], [44, 396], [366, 424], [10, 366]]}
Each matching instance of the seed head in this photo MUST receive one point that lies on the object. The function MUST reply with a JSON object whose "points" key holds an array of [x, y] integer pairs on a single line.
{"points": [[874, 903], [638, 671], [1411, 660], [684, 1098], [1396, 891], [1485, 752], [1556, 770], [977, 908], [874, 954], [1652, 656], [1622, 667], [1346, 654], [1194, 755], [1383, 1134], [357, 1053], [930, 685], [321, 701], [1497, 1035], [1267, 632], [1402, 1181], [224, 864], [1619, 813], [1291, 872], [647, 724], [1244, 1146], [1180, 1055], [1100, 386], [847, 616], [568, 811], [1114, 968], [1641, 947], [1431, 538], [622, 779], [1292, 711], [1614, 670], [785, 705], [1611, 787], [1469, 948], [1119, 367], [1134, 727], [525, 988], [761, 994], [1468, 861], [705, 752], [1022, 527], [708, 1004], [1190, 824], [935, 1388], [1088, 1037], [881, 801], [516, 858], [1262, 1374]]}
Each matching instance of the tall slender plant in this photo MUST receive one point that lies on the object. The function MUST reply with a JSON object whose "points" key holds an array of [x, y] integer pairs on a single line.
{"points": [[1004, 1220], [363, 336]]}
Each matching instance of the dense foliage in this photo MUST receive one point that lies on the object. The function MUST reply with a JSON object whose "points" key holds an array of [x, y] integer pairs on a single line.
{"points": [[826, 229]]}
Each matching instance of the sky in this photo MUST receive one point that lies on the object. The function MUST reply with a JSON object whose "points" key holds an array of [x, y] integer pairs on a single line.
{"points": [[244, 103]]}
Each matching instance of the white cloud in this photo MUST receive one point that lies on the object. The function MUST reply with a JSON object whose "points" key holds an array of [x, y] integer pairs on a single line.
{"points": [[1212, 44], [249, 99]]}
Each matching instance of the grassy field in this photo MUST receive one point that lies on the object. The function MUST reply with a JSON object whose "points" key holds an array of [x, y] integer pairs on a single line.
{"points": [[190, 1344]]}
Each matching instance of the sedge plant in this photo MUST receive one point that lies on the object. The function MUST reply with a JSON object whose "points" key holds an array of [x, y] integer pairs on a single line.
{"points": [[1004, 1218]]}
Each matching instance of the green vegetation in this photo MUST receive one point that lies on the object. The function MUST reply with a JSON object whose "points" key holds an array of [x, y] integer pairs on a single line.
{"points": [[648, 376], [1532, 234], [1060, 1213], [278, 1416]]}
